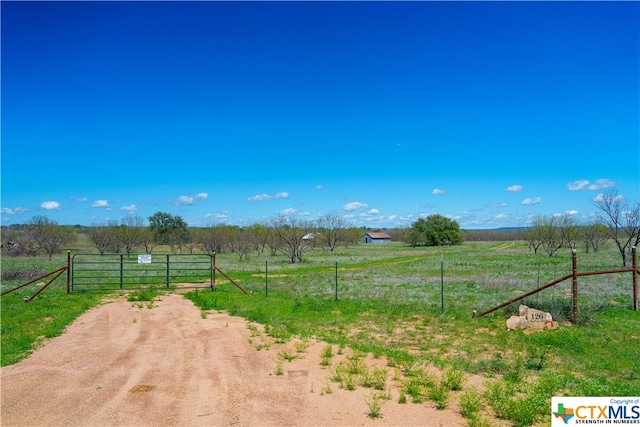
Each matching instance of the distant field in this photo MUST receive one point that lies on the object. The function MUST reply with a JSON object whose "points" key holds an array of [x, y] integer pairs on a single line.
{"points": [[389, 304]]}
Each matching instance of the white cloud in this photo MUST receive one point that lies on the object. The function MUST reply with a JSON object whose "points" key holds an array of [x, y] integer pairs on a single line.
{"points": [[130, 208], [189, 200], [501, 216], [100, 204], [437, 191], [288, 211], [600, 198], [498, 205], [259, 197], [373, 212], [218, 215], [601, 184], [17, 210], [79, 199], [184, 200], [583, 184], [578, 185], [572, 212], [515, 188], [263, 196], [354, 206], [50, 205], [531, 201]]}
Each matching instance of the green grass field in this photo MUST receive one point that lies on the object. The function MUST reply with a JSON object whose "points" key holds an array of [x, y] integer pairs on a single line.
{"points": [[389, 304]]}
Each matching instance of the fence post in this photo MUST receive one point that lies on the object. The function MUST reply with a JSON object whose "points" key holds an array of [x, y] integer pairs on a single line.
{"points": [[442, 284], [266, 276], [214, 271], [167, 270], [121, 271], [68, 272], [635, 278], [574, 287]]}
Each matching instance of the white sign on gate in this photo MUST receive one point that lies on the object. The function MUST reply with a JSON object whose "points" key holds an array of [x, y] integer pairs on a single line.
{"points": [[144, 259]]}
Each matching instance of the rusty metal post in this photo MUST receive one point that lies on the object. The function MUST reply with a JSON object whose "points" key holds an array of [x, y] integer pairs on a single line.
{"points": [[68, 272], [574, 287], [635, 278], [213, 271]]}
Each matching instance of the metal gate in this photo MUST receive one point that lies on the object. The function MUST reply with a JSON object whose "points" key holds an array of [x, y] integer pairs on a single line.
{"points": [[119, 271]]}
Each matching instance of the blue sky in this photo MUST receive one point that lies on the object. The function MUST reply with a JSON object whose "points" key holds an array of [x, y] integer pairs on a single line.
{"points": [[490, 113]]}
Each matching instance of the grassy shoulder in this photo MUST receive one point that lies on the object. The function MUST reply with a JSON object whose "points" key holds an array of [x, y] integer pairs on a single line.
{"points": [[601, 355], [27, 325]]}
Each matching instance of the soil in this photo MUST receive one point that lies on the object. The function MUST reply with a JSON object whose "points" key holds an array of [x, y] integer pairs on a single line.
{"points": [[126, 364]]}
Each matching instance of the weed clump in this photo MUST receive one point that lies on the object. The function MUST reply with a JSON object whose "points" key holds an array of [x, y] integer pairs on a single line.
{"points": [[326, 355]]}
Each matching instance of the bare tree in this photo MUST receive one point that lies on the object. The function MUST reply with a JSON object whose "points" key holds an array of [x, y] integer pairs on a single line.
{"points": [[99, 236], [177, 238], [212, 238], [332, 230], [129, 233], [548, 232], [531, 235], [242, 242], [19, 240], [622, 219], [569, 231], [191, 243], [290, 233], [259, 236], [115, 243], [149, 240], [353, 236], [400, 234], [593, 235], [50, 236]]}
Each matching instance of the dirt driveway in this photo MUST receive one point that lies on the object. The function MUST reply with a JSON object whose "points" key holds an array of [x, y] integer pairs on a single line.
{"points": [[124, 364]]}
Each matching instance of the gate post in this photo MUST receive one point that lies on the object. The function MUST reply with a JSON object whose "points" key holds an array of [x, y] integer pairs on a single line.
{"points": [[167, 271], [214, 271], [635, 278], [574, 286], [121, 270], [68, 272]]}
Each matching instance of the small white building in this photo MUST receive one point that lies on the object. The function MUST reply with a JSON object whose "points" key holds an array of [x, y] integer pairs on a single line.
{"points": [[375, 238]]}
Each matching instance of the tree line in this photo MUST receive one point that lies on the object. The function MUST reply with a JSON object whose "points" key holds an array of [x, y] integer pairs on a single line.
{"points": [[617, 220], [281, 235]]}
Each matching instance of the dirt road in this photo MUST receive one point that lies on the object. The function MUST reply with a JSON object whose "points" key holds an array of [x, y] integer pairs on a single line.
{"points": [[124, 364]]}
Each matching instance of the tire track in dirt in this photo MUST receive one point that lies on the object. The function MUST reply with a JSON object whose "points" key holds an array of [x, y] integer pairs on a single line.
{"points": [[124, 364]]}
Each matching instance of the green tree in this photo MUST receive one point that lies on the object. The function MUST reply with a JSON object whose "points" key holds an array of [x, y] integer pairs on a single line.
{"points": [[436, 230], [168, 229]]}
